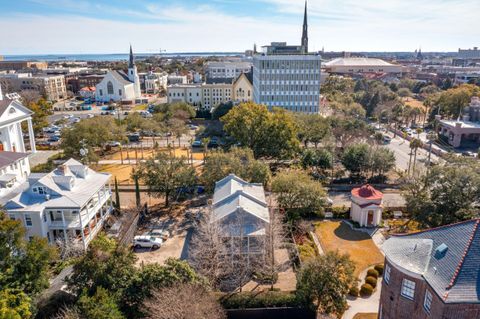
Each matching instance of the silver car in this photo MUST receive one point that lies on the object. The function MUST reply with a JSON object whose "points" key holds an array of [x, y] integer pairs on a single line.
{"points": [[147, 242]]}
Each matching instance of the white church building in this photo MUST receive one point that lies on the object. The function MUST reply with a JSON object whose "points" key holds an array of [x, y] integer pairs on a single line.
{"points": [[118, 86], [14, 163]]}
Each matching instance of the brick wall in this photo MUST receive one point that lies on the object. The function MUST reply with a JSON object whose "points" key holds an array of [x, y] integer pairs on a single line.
{"points": [[396, 306]]}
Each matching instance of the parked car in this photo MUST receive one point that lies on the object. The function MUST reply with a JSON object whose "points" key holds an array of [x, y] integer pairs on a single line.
{"points": [[147, 242], [75, 120], [134, 137], [469, 154], [89, 116], [386, 139], [114, 144], [197, 143], [159, 233], [54, 139], [43, 143]]}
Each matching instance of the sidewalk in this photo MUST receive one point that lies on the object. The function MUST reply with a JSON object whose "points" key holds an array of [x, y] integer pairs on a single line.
{"points": [[362, 304]]}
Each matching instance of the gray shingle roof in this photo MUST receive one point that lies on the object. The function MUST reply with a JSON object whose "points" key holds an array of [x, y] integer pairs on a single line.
{"points": [[454, 274], [8, 158], [121, 77]]}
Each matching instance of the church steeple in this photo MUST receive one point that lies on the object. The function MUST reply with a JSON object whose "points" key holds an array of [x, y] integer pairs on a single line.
{"points": [[305, 31], [131, 61]]}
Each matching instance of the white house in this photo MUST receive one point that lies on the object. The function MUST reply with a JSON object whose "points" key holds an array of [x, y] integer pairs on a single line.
{"points": [[118, 86], [242, 213], [70, 203], [366, 206], [14, 164]]}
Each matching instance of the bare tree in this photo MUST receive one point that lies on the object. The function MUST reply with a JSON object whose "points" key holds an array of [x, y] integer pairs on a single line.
{"points": [[30, 96], [182, 302], [68, 313], [69, 248], [230, 252]]}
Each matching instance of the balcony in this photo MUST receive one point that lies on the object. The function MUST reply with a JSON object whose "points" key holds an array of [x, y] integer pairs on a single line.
{"points": [[72, 221]]}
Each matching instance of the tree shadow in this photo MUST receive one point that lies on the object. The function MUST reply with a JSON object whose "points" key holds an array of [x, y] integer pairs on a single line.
{"points": [[345, 232]]}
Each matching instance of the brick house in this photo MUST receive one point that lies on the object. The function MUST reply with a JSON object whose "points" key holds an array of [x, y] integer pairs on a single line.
{"points": [[433, 274]]}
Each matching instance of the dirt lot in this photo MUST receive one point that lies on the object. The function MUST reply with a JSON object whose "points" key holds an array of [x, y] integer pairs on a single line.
{"points": [[176, 246], [335, 235]]}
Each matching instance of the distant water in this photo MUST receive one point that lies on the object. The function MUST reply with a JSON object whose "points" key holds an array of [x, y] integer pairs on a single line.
{"points": [[109, 57]]}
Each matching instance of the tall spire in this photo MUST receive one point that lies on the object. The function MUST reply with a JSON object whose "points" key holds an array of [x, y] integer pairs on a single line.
{"points": [[132, 62], [305, 31]]}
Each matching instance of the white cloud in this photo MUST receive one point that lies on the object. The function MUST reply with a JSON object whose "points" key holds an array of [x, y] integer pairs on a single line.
{"points": [[350, 25]]}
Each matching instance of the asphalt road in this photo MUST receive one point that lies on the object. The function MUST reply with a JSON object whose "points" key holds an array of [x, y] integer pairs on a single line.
{"points": [[401, 148]]}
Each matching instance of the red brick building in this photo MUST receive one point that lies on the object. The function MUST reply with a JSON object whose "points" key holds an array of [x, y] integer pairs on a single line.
{"points": [[433, 274]]}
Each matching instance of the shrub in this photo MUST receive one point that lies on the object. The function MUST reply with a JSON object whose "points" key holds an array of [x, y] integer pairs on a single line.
{"points": [[366, 290], [372, 281], [372, 273], [354, 291], [248, 299], [379, 269], [341, 212]]}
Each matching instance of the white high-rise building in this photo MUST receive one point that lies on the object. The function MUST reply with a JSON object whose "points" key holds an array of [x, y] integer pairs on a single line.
{"points": [[288, 76]]}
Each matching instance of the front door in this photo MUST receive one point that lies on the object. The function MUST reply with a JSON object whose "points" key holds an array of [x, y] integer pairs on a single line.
{"points": [[370, 218]]}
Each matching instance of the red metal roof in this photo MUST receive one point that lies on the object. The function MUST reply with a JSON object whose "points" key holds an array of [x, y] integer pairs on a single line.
{"points": [[367, 192]]}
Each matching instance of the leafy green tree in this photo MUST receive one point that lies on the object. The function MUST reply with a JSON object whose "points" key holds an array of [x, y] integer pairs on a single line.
{"points": [[102, 305], [91, 134], [446, 194], [404, 92], [105, 264], [24, 264], [14, 304], [451, 102], [312, 128], [323, 282], [154, 276], [356, 158], [41, 110], [298, 193], [164, 174], [318, 159], [221, 110], [381, 160], [268, 134], [415, 144], [117, 194], [238, 161], [346, 130]]}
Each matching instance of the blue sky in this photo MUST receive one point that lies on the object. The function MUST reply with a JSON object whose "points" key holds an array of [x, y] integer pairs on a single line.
{"points": [[108, 26]]}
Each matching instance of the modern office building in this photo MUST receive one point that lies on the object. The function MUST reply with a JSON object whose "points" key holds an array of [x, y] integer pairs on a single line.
{"points": [[52, 87], [288, 76]]}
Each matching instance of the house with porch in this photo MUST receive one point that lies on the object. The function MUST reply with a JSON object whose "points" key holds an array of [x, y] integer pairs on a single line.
{"points": [[241, 212], [14, 164], [70, 203], [366, 207]]}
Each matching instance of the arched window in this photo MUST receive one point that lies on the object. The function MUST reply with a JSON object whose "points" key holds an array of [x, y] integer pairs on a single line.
{"points": [[109, 88]]}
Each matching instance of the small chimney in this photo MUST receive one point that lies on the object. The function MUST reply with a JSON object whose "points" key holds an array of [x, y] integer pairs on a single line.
{"points": [[62, 169]]}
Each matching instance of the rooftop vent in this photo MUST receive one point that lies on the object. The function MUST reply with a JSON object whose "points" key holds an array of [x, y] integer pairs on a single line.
{"points": [[441, 250], [47, 197]]}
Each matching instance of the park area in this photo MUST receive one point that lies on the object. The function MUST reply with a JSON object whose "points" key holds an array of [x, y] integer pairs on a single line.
{"points": [[338, 235]]}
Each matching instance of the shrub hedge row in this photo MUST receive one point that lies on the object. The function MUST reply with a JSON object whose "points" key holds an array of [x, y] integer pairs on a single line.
{"points": [[248, 299]]}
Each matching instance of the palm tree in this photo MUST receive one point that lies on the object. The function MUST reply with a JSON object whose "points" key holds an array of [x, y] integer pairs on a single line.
{"points": [[415, 144]]}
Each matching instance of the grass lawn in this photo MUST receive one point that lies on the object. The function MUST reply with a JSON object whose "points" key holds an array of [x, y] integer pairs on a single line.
{"points": [[148, 153], [141, 107], [121, 172], [366, 316], [335, 235]]}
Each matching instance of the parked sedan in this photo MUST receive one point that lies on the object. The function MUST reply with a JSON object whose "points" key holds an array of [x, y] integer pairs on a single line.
{"points": [[147, 242]]}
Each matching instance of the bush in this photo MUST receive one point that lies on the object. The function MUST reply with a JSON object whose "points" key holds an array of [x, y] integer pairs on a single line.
{"points": [[248, 299], [372, 273], [354, 291], [366, 290], [341, 212], [266, 278], [372, 281], [379, 269]]}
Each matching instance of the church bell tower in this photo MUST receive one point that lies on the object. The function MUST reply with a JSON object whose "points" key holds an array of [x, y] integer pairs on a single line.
{"points": [[133, 74]]}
